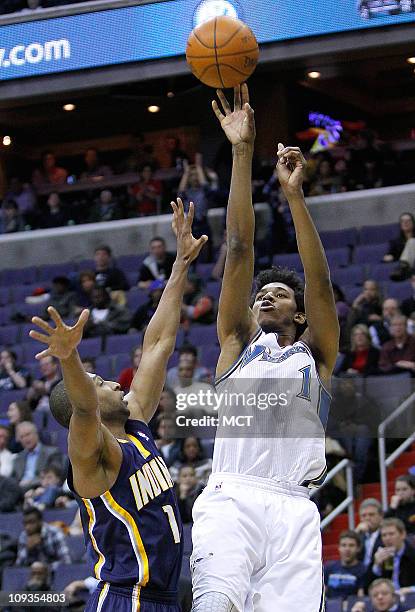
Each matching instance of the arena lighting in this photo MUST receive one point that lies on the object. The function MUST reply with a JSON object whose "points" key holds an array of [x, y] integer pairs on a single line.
{"points": [[7, 141], [411, 60], [69, 107], [153, 108], [314, 74], [170, 94]]}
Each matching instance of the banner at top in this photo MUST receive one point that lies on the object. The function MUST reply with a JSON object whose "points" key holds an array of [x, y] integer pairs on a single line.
{"points": [[160, 30]]}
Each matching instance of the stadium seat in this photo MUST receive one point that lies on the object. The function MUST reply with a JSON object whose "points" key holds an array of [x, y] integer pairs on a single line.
{"points": [[352, 275], [22, 276], [381, 272], [130, 263], [31, 310], [210, 355], [370, 254], [201, 335], [47, 273], [351, 292], [339, 238], [9, 334], [64, 515], [4, 296], [11, 523], [104, 367], [375, 234], [66, 574], [85, 264], [6, 313], [14, 579], [400, 291], [204, 270], [7, 397], [59, 438], [90, 347], [338, 257], [31, 348], [122, 343], [212, 288], [76, 545], [121, 361], [135, 298], [20, 292], [334, 605], [353, 599], [291, 260]]}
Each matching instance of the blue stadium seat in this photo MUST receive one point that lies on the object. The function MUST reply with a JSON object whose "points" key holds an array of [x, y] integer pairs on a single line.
{"points": [[339, 238], [351, 292], [15, 578], [47, 273], [352, 275], [381, 272], [334, 605], [31, 310], [204, 270], [290, 260], [130, 263], [9, 334], [352, 599], [209, 356], [124, 343], [6, 313], [135, 298], [22, 276], [4, 296], [66, 574], [66, 515], [31, 348], [173, 361], [201, 335], [7, 397], [370, 254], [212, 289], [121, 361], [85, 264], [90, 347], [338, 257], [104, 367], [21, 292], [11, 523], [375, 234], [132, 278], [59, 438], [400, 291]]}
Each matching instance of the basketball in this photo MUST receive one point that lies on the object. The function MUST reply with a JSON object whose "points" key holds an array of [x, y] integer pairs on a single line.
{"points": [[222, 52]]}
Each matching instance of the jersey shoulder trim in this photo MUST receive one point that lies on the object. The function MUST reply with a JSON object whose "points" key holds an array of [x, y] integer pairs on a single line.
{"points": [[234, 366]]}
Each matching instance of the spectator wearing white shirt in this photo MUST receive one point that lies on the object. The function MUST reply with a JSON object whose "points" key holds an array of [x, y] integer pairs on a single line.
{"points": [[6, 457]]}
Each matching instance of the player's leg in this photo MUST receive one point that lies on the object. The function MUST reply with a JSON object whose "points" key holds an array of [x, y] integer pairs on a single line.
{"points": [[292, 579], [227, 543], [213, 602]]}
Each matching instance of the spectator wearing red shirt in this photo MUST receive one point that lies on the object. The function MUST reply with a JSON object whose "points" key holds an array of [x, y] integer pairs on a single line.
{"points": [[50, 172], [398, 355], [145, 195], [363, 358], [127, 374]]}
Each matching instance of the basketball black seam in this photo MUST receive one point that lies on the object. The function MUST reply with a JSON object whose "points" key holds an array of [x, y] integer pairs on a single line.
{"points": [[216, 55], [201, 41], [236, 69], [232, 36], [224, 54]]}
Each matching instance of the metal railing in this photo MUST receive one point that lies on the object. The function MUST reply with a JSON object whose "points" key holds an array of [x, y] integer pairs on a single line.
{"points": [[385, 462], [346, 503]]}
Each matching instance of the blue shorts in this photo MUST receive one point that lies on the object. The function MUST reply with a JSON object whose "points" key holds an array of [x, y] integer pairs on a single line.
{"points": [[110, 598]]}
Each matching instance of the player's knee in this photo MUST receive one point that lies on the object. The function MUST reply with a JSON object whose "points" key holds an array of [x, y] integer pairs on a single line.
{"points": [[213, 602]]}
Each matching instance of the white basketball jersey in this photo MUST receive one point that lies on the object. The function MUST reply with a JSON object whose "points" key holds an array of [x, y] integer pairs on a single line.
{"points": [[282, 436]]}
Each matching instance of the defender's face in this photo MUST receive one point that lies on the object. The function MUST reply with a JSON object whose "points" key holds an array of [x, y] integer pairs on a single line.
{"points": [[275, 305], [111, 401]]}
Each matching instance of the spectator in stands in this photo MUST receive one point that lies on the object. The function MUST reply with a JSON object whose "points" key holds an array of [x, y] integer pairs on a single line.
{"points": [[107, 274], [408, 305], [12, 376], [45, 495], [17, 412], [127, 374], [193, 455], [40, 390], [325, 180], [382, 598], [56, 215], [157, 265], [34, 457], [367, 307], [346, 576], [94, 171], [363, 358], [6, 457], [177, 155], [188, 488], [342, 309], [85, 289], [8, 550], [11, 220], [371, 517], [144, 313], [395, 559], [50, 173], [73, 591], [197, 307], [188, 386], [402, 505], [23, 195], [194, 187], [169, 448], [39, 582], [145, 195], [41, 542], [105, 209], [107, 317], [398, 355], [187, 354], [379, 330], [282, 233], [398, 245], [10, 494], [62, 298], [89, 365]]}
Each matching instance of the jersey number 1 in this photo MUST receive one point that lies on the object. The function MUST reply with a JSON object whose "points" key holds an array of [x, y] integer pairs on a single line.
{"points": [[173, 523], [305, 392]]}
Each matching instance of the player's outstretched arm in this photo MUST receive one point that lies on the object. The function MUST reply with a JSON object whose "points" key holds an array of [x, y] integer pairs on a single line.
{"points": [[323, 328], [160, 336], [236, 323], [87, 436]]}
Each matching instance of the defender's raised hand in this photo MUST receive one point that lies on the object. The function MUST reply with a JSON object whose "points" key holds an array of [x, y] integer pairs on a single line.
{"points": [[239, 124], [61, 340], [290, 168], [188, 247]]}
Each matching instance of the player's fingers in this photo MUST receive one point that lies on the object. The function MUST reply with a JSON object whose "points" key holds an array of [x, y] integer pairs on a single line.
{"points": [[224, 102], [44, 353], [237, 98], [244, 94], [174, 207], [190, 215], [42, 324], [217, 111], [83, 318], [199, 243], [289, 149], [38, 336], [54, 315]]}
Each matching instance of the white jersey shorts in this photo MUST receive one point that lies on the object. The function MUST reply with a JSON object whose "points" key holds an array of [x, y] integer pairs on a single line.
{"points": [[259, 543]]}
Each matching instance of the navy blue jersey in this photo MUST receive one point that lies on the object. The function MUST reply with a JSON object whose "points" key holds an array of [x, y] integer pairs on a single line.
{"points": [[133, 532], [342, 580]]}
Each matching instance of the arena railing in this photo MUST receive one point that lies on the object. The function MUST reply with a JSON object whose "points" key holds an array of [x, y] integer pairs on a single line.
{"points": [[385, 462], [345, 464]]}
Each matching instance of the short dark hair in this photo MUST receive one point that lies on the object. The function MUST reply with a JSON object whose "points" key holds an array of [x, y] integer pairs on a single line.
{"points": [[33, 510], [61, 280], [104, 247], [11, 353], [278, 274], [410, 480], [90, 360], [350, 535], [188, 348], [158, 239], [55, 469], [60, 405]]}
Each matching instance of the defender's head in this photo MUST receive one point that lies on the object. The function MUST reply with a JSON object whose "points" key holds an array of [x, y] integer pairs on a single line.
{"points": [[112, 407], [278, 301]]}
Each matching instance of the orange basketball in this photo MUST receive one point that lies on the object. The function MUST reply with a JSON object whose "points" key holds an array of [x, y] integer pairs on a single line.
{"points": [[222, 52]]}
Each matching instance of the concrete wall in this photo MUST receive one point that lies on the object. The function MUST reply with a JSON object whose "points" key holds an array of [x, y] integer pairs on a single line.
{"points": [[40, 247]]}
